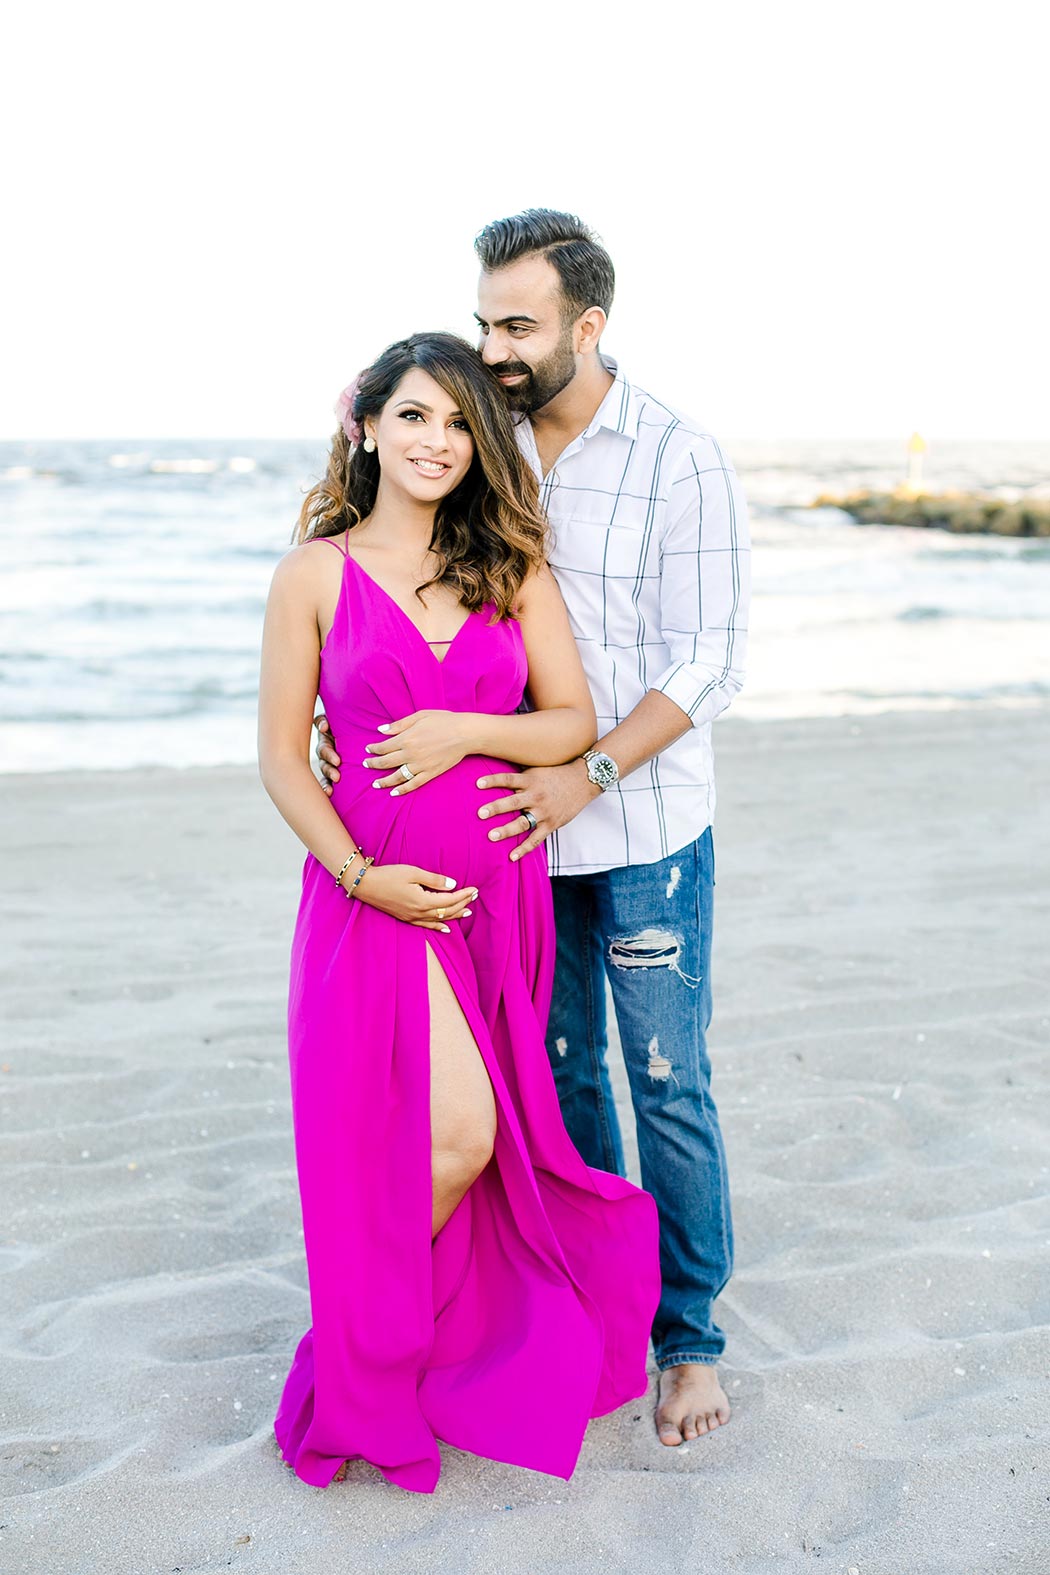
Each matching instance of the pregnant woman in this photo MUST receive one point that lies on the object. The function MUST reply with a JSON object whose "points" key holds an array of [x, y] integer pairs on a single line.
{"points": [[470, 1278]]}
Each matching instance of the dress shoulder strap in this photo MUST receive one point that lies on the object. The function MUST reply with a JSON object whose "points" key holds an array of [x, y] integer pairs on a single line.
{"points": [[339, 546]]}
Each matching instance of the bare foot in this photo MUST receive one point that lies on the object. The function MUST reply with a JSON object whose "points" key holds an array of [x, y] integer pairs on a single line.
{"points": [[692, 1402]]}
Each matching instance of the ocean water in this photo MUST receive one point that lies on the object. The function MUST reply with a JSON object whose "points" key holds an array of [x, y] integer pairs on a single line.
{"points": [[133, 579]]}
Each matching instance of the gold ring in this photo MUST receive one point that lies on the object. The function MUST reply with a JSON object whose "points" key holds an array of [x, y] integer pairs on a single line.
{"points": [[441, 913]]}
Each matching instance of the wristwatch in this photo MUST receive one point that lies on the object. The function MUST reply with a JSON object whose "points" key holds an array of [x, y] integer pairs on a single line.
{"points": [[602, 769]]}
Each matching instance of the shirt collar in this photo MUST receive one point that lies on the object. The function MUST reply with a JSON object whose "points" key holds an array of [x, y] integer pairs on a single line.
{"points": [[619, 409]]}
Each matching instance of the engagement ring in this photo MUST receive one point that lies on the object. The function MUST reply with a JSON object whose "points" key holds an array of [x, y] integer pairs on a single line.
{"points": [[404, 772]]}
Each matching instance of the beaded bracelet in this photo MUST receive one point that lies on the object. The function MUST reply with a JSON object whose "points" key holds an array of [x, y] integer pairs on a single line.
{"points": [[357, 879], [346, 866]]}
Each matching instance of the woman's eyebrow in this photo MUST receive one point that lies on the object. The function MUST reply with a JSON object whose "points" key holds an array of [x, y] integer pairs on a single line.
{"points": [[418, 404]]}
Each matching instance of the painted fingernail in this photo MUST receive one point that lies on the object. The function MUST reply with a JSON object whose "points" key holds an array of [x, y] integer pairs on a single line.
{"points": [[483, 814], [445, 930], [515, 857], [393, 791], [384, 727], [377, 784], [481, 782], [467, 912], [474, 895], [450, 884], [494, 834], [366, 762]]}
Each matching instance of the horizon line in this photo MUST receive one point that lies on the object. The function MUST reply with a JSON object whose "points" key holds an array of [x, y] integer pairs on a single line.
{"points": [[727, 437]]}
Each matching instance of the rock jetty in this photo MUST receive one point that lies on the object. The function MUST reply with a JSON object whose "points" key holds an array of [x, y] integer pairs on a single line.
{"points": [[966, 513]]}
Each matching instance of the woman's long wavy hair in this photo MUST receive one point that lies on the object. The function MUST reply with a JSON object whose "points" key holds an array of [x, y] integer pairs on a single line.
{"points": [[489, 531]]}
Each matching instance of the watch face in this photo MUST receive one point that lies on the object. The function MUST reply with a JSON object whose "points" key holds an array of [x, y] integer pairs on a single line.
{"points": [[602, 771]]}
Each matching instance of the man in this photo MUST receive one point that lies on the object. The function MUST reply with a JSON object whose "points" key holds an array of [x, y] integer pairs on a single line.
{"points": [[650, 549]]}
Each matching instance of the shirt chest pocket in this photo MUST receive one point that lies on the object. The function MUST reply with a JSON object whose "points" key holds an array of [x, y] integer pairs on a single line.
{"points": [[584, 545]]}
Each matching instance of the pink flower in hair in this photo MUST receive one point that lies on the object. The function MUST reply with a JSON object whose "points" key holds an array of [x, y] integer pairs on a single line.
{"points": [[344, 409]]}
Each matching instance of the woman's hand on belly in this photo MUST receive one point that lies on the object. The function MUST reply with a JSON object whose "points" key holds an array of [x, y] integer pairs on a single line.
{"points": [[414, 895], [427, 744]]}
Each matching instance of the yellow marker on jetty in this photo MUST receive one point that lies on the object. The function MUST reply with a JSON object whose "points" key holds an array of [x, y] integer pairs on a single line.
{"points": [[916, 449]]}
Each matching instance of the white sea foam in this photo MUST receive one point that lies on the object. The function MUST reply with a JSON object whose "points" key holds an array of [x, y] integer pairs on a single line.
{"points": [[183, 467]]}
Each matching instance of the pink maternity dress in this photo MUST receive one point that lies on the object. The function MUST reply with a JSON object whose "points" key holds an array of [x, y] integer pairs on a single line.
{"points": [[530, 1311]]}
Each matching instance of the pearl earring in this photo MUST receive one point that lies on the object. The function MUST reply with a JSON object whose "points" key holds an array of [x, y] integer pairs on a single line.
{"points": [[369, 445]]}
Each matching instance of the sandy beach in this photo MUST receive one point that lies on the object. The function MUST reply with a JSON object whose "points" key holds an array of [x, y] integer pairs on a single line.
{"points": [[882, 1017]]}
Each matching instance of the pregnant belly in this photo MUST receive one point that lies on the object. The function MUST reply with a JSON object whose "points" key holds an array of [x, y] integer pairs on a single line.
{"points": [[435, 826]]}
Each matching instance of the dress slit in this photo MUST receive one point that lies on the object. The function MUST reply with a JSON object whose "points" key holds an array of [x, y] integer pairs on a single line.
{"points": [[454, 1064]]}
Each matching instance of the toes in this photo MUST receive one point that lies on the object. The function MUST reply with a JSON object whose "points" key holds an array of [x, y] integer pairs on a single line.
{"points": [[693, 1425]]}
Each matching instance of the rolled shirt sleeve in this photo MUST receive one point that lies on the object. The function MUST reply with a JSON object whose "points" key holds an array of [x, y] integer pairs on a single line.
{"points": [[705, 583]]}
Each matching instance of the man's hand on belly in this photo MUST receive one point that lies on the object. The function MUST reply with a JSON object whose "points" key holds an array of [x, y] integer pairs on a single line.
{"points": [[554, 795]]}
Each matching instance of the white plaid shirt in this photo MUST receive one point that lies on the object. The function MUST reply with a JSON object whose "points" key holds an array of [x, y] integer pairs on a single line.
{"points": [[651, 551]]}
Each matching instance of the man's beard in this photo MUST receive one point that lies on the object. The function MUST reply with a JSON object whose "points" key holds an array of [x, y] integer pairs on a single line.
{"points": [[543, 382]]}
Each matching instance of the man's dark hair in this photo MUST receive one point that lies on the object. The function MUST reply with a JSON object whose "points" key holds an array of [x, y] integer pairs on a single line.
{"points": [[583, 265]]}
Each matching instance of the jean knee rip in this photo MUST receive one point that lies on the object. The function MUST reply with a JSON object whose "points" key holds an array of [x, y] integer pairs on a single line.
{"points": [[650, 949], [660, 1068]]}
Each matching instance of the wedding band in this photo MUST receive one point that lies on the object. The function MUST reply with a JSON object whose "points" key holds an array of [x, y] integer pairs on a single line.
{"points": [[441, 913], [527, 814], [405, 773]]}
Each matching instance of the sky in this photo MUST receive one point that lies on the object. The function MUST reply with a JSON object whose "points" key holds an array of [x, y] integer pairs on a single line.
{"points": [[826, 220]]}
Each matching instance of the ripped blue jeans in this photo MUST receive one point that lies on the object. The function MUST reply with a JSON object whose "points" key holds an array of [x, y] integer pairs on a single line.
{"points": [[647, 929]]}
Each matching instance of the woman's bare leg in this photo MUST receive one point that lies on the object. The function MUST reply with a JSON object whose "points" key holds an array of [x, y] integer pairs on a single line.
{"points": [[462, 1105]]}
